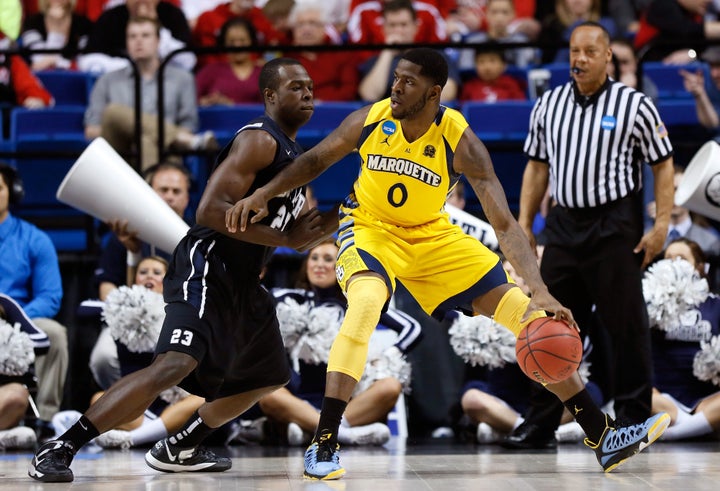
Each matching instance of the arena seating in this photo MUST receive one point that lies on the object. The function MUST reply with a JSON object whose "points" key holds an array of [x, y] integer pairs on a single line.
{"points": [[502, 126]]}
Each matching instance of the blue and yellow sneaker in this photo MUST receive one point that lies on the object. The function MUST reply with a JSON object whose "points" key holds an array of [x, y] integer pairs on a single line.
{"points": [[616, 445], [322, 461]]}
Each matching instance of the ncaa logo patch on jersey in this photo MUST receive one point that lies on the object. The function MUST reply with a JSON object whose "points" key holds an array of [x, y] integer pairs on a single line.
{"points": [[389, 128], [608, 122], [429, 151], [661, 130]]}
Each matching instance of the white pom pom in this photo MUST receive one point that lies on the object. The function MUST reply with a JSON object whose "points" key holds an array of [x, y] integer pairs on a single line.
{"points": [[16, 350], [173, 395], [135, 316], [671, 287], [308, 331], [389, 363], [706, 365], [481, 341]]}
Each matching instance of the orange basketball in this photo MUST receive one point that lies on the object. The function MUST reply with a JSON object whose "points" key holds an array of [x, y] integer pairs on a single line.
{"points": [[548, 350]]}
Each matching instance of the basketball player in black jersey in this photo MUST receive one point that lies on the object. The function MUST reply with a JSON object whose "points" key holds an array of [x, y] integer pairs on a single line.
{"points": [[220, 339]]}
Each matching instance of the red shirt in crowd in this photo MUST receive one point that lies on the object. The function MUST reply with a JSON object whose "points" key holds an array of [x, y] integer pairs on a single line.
{"points": [[504, 88]]}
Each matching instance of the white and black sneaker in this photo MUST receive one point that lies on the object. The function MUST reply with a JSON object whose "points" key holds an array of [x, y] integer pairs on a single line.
{"points": [[163, 457], [51, 462]]}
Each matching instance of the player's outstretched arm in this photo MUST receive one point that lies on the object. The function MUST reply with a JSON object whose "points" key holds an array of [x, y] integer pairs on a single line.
{"points": [[304, 169], [473, 160]]}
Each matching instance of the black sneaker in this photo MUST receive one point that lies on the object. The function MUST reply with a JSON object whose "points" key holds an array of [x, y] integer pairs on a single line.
{"points": [[162, 457], [51, 462]]}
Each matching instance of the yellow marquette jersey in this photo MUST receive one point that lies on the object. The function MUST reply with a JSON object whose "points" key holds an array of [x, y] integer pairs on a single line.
{"points": [[412, 179]]}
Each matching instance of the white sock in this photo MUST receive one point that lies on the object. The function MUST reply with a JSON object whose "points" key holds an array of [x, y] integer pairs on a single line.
{"points": [[344, 422], [151, 430], [518, 422], [688, 426]]}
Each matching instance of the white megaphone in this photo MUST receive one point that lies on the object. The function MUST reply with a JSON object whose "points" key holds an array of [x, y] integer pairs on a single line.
{"points": [[103, 185], [699, 188]]}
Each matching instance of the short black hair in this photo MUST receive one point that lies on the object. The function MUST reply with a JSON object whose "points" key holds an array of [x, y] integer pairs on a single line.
{"points": [[237, 22], [592, 23], [270, 73], [432, 63], [491, 47]]}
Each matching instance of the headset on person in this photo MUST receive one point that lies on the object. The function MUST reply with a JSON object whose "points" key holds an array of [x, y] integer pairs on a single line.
{"points": [[13, 182]]}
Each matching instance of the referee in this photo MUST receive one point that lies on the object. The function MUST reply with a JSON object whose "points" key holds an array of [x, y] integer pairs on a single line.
{"points": [[588, 140]]}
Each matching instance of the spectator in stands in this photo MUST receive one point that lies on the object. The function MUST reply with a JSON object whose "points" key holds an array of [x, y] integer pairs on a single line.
{"points": [[309, 23], [111, 114], [18, 85], [233, 80], [107, 39], [278, 13], [693, 404], [491, 83], [679, 20], [195, 8], [299, 402], [367, 19], [14, 394], [400, 26], [124, 251], [56, 26], [500, 15], [684, 223], [568, 14], [209, 24], [706, 93], [30, 274], [470, 16], [626, 15], [626, 63]]}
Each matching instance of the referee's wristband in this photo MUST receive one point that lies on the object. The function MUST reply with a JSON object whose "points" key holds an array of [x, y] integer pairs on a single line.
{"points": [[133, 258]]}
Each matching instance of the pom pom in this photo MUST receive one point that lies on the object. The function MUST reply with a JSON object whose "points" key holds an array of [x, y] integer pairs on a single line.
{"points": [[307, 330], [173, 395], [135, 316], [16, 350], [671, 287], [706, 365], [480, 340], [389, 363]]}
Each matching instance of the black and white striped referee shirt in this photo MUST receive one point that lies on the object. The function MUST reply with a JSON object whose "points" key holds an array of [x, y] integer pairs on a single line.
{"points": [[596, 146]]}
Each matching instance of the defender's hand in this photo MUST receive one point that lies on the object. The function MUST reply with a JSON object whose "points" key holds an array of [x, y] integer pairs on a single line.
{"points": [[240, 212]]}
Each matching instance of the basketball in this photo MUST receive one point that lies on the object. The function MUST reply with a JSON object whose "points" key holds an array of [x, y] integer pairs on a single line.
{"points": [[548, 350]]}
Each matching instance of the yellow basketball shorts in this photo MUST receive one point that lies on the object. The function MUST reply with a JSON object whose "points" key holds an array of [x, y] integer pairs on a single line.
{"points": [[441, 266]]}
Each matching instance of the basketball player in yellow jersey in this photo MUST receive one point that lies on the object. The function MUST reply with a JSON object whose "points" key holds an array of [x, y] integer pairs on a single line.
{"points": [[393, 227]]}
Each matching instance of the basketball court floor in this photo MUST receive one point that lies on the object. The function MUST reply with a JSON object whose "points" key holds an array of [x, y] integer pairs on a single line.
{"points": [[395, 467]]}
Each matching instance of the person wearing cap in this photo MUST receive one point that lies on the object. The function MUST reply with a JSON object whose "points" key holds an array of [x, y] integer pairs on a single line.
{"points": [[30, 274], [14, 394], [706, 92]]}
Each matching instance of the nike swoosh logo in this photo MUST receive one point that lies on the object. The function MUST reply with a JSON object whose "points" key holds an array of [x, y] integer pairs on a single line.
{"points": [[172, 457], [82, 425], [288, 152]]}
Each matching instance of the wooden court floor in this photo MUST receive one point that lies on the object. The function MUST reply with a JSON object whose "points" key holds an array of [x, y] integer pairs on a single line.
{"points": [[395, 467]]}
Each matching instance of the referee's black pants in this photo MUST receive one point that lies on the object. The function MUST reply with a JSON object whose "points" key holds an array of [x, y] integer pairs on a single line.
{"points": [[588, 264]]}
